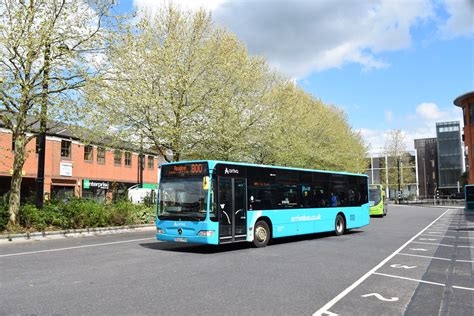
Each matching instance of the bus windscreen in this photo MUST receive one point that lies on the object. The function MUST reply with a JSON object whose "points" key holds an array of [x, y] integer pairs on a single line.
{"points": [[375, 196]]}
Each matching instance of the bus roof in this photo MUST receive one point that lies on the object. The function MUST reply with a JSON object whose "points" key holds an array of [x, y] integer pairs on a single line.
{"points": [[212, 164]]}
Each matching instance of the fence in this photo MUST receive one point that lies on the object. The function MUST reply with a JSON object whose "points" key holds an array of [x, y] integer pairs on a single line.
{"points": [[440, 202]]}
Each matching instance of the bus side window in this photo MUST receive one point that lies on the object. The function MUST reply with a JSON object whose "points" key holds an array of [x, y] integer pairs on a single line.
{"points": [[321, 197], [306, 193]]}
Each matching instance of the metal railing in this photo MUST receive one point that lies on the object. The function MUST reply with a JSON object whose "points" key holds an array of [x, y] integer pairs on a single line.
{"points": [[433, 201]]}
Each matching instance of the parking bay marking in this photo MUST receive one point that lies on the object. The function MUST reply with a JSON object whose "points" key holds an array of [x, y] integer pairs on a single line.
{"points": [[401, 266], [341, 295], [431, 243], [381, 298], [409, 279], [446, 236], [412, 255], [418, 249]]}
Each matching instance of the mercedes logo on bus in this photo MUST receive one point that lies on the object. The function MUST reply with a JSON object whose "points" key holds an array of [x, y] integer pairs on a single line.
{"points": [[180, 231]]}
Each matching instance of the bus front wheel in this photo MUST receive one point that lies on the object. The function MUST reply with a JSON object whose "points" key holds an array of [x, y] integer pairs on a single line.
{"points": [[261, 234], [339, 225]]}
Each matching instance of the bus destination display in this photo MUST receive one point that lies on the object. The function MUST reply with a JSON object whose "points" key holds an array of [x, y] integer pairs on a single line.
{"points": [[192, 169]]}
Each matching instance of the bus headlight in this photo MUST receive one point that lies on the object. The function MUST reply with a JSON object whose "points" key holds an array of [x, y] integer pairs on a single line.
{"points": [[205, 233], [160, 231]]}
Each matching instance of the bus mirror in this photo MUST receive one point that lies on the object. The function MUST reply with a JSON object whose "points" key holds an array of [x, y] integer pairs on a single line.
{"points": [[205, 183], [383, 193]]}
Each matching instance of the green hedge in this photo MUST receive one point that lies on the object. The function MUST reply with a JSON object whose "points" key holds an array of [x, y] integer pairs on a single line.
{"points": [[79, 213], [3, 214]]}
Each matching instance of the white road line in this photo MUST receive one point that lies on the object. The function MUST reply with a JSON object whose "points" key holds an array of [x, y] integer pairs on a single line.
{"points": [[331, 303], [75, 247], [446, 236], [431, 243], [463, 288], [468, 261], [439, 236], [409, 279], [411, 255]]}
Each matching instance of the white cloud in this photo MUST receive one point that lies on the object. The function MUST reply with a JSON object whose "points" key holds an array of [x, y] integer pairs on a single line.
{"points": [[299, 37], [389, 116], [153, 5], [420, 124], [429, 111], [461, 18]]}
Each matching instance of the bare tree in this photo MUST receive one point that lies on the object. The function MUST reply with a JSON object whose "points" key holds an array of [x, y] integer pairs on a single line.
{"points": [[396, 151], [48, 50]]}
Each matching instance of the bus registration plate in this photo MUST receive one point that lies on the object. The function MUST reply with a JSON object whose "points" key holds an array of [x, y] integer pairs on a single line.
{"points": [[180, 239]]}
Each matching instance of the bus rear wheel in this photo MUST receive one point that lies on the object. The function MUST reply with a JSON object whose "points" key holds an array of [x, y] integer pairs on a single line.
{"points": [[261, 234], [339, 225]]}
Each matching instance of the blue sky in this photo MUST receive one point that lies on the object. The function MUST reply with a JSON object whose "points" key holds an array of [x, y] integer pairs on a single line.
{"points": [[390, 64]]}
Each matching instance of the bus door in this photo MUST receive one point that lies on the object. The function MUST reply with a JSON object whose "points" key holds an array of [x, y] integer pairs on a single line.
{"points": [[232, 205]]}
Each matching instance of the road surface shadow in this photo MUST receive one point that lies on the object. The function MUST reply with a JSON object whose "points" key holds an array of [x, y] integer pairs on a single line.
{"points": [[211, 249]]}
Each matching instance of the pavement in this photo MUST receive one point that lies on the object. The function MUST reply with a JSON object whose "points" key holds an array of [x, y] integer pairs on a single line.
{"points": [[87, 232], [414, 261]]}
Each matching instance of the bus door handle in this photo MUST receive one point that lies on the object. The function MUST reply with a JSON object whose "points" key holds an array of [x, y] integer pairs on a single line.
{"points": [[228, 218], [238, 211]]}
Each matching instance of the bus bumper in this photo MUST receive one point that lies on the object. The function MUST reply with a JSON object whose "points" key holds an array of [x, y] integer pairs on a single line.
{"points": [[188, 232]]}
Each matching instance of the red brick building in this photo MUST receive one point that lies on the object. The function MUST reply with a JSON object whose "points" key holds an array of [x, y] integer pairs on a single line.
{"points": [[74, 168], [466, 102]]}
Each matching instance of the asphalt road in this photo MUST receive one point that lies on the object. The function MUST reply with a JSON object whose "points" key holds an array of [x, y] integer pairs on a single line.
{"points": [[379, 269]]}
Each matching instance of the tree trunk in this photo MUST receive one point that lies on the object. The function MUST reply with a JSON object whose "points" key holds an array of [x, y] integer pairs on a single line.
{"points": [[15, 187]]}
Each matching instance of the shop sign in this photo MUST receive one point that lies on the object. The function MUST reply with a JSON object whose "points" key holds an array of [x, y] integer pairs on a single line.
{"points": [[65, 169], [90, 184]]}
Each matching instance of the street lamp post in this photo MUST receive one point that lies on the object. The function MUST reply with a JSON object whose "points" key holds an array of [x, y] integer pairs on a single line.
{"points": [[42, 132]]}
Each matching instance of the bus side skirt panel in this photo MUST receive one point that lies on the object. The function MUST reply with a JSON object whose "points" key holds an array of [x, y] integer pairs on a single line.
{"points": [[293, 222]]}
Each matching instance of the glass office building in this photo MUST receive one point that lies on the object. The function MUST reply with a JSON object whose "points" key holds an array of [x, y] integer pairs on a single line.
{"points": [[427, 154], [450, 156]]}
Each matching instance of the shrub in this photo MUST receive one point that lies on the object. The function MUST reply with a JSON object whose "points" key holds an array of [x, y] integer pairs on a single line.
{"points": [[83, 213], [3, 214], [31, 217], [79, 213], [120, 212]]}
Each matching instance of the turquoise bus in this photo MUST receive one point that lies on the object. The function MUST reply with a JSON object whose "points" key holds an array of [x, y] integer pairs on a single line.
{"points": [[217, 202], [469, 196], [377, 200]]}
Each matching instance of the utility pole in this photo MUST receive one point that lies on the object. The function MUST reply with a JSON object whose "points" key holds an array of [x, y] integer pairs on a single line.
{"points": [[42, 132], [140, 163], [399, 189]]}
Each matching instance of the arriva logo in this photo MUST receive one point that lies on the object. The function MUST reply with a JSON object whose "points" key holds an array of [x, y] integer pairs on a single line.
{"points": [[231, 171], [177, 224]]}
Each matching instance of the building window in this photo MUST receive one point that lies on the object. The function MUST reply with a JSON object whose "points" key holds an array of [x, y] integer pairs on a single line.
{"points": [[88, 149], [151, 162], [117, 157], [128, 158], [101, 155], [65, 149]]}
